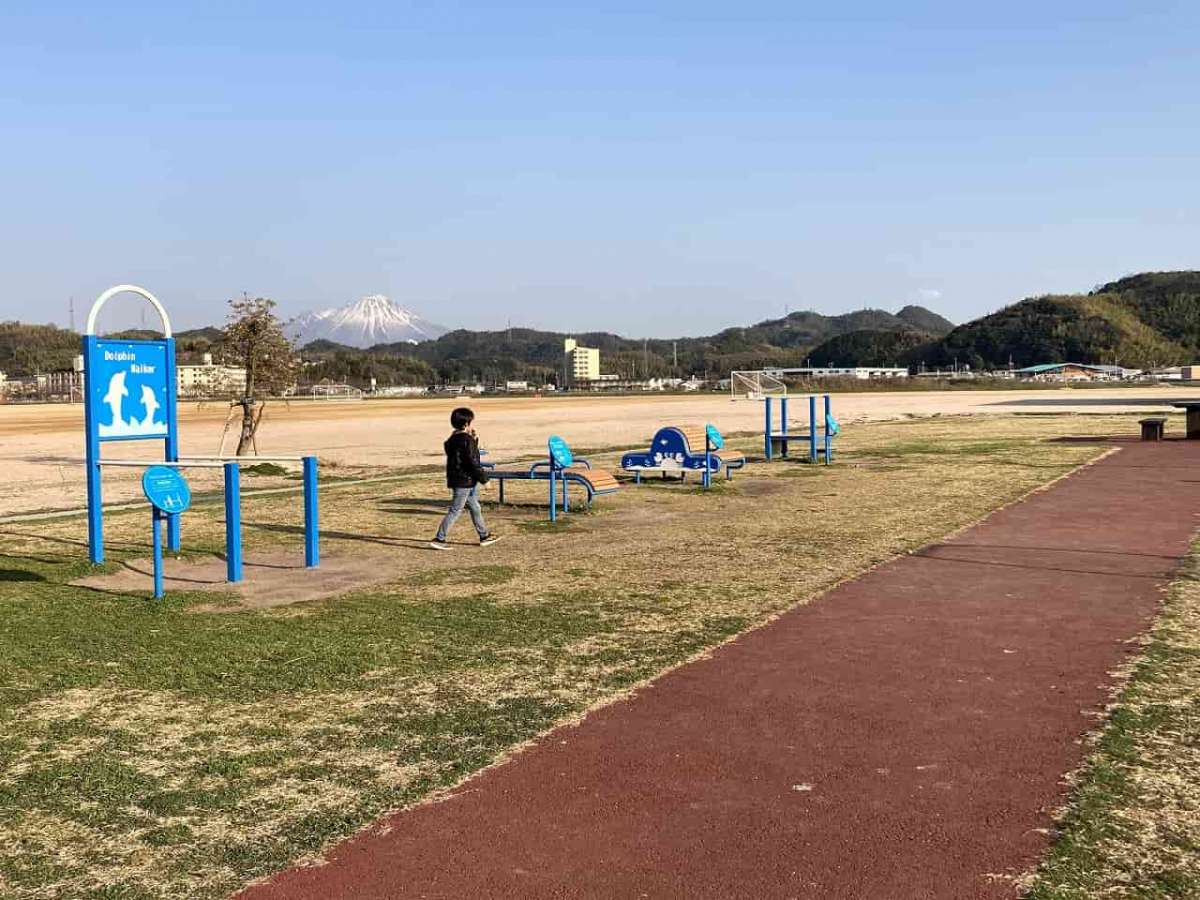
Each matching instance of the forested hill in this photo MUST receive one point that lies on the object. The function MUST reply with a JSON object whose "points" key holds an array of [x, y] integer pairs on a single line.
{"points": [[526, 353], [1139, 321], [515, 353]]}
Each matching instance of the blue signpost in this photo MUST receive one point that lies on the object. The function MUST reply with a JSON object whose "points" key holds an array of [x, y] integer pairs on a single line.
{"points": [[169, 496], [129, 395]]}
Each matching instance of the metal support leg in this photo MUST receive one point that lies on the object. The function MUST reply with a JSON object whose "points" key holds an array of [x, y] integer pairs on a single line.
{"points": [[156, 542], [767, 429], [828, 436], [812, 429], [233, 523], [783, 425], [312, 529]]}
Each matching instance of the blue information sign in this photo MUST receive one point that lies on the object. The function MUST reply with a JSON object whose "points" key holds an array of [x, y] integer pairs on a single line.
{"points": [[714, 437], [560, 452], [166, 489], [128, 383]]}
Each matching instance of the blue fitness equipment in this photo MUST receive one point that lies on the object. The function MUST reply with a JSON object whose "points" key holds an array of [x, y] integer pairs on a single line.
{"points": [[169, 495], [129, 395], [560, 468], [713, 441], [820, 439], [678, 449]]}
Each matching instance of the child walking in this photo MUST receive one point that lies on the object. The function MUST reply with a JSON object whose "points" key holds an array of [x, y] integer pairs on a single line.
{"points": [[464, 474]]}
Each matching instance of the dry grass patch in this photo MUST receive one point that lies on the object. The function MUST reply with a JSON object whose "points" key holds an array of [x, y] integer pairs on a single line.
{"points": [[1132, 829], [159, 749]]}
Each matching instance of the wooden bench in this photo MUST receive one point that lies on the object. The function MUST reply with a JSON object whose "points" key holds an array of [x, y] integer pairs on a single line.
{"points": [[560, 467], [680, 449], [1153, 427]]}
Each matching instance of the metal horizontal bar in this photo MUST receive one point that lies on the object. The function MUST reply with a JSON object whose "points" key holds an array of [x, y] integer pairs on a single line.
{"points": [[140, 463], [249, 459]]}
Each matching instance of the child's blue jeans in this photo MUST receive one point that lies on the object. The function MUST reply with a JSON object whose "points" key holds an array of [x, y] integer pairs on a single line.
{"points": [[468, 497]]}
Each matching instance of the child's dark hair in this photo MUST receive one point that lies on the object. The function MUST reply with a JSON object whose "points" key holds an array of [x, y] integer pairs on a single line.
{"points": [[461, 418]]}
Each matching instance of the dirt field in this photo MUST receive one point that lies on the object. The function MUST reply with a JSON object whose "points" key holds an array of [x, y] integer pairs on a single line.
{"points": [[41, 447]]}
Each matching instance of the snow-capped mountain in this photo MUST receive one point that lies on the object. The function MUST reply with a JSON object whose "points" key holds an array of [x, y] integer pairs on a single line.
{"points": [[364, 323]]}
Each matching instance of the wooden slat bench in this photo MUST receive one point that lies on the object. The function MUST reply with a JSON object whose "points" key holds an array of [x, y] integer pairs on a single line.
{"points": [[562, 467]]}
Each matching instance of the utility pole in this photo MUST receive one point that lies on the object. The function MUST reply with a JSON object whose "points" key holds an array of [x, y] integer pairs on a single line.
{"points": [[645, 357], [71, 308]]}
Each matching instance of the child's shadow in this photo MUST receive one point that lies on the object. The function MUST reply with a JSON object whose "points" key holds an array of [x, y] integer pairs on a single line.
{"points": [[419, 506]]}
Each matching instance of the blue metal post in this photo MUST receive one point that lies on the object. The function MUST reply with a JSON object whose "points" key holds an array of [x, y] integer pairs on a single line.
{"points": [[707, 460], [828, 436], [312, 548], [812, 428], [783, 423], [767, 430], [566, 500], [95, 494], [171, 447], [553, 494], [233, 523], [156, 541]]}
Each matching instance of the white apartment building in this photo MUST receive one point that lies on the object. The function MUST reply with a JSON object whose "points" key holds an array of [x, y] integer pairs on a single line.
{"points": [[580, 364], [209, 379]]}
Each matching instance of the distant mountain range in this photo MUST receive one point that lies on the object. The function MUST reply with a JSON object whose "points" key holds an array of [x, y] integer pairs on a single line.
{"points": [[364, 323], [1139, 321]]}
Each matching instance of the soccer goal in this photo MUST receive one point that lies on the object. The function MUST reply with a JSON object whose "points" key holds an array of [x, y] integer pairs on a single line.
{"points": [[329, 391], [755, 385]]}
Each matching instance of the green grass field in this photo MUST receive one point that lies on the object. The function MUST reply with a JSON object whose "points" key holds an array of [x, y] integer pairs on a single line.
{"points": [[182, 748]]}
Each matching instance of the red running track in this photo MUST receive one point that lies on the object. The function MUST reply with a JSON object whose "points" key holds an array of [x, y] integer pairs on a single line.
{"points": [[905, 736]]}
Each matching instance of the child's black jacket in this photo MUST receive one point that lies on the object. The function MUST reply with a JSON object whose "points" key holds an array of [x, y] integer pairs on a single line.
{"points": [[462, 461]]}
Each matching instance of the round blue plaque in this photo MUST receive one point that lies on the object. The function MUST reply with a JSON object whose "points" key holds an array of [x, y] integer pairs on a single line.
{"points": [[560, 452], [714, 437], [166, 489]]}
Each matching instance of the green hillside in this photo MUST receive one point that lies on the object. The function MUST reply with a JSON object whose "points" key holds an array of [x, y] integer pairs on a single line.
{"points": [[1094, 328], [871, 348], [520, 353], [30, 349], [922, 319]]}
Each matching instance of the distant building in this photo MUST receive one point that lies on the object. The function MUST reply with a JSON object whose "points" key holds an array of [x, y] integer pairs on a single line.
{"points": [[1186, 373], [580, 364], [209, 379], [516, 386], [65, 384], [863, 373], [1069, 372]]}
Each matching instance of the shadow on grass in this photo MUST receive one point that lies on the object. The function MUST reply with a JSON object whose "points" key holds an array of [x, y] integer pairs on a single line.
{"points": [[399, 543], [19, 575]]}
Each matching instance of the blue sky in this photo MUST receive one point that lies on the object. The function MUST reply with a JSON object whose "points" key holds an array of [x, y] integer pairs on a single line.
{"points": [[648, 168]]}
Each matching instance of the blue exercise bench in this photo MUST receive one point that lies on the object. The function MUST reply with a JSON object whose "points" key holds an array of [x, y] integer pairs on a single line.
{"points": [[559, 469], [684, 449]]}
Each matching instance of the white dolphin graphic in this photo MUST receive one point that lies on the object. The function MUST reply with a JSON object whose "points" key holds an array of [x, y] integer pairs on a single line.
{"points": [[150, 401], [117, 392]]}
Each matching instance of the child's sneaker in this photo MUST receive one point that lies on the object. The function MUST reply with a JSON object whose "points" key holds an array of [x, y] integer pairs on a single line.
{"points": [[489, 540], [439, 545]]}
